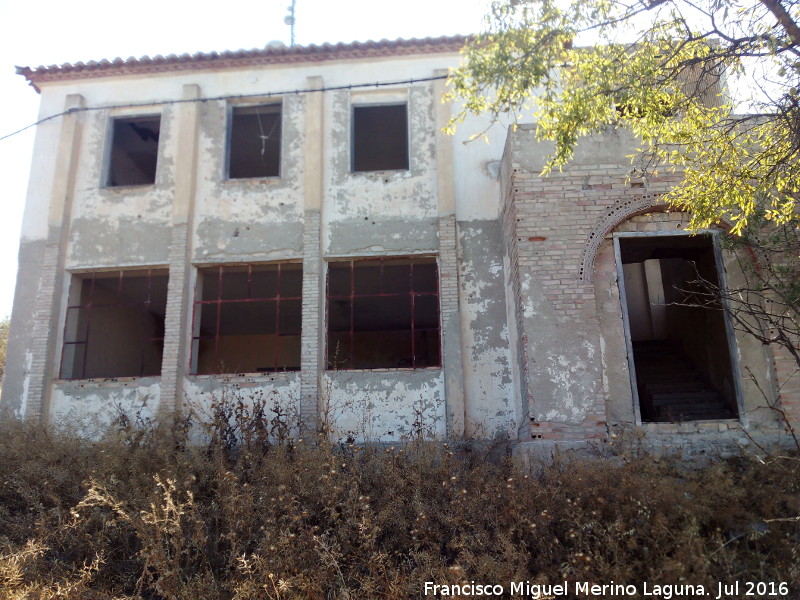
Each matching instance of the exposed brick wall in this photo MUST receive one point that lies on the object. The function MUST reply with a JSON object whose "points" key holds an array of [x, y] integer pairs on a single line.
{"points": [[554, 227], [312, 333], [43, 337], [450, 321], [172, 369]]}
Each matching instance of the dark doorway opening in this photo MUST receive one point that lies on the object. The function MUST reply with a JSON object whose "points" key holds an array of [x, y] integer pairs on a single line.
{"points": [[678, 338]]}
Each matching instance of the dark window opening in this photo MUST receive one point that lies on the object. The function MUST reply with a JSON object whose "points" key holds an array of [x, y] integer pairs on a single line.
{"points": [[247, 319], [383, 314], [115, 325], [679, 339], [255, 142], [380, 138], [134, 151]]}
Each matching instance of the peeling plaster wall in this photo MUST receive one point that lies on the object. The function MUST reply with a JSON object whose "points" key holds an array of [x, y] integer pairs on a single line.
{"points": [[383, 211], [570, 326], [256, 220], [564, 357], [614, 355], [90, 406], [127, 225], [16, 380], [489, 402], [384, 405], [279, 393]]}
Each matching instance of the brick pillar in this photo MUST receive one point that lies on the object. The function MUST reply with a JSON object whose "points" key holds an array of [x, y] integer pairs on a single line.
{"points": [[312, 348], [47, 305], [311, 360], [452, 348], [179, 294]]}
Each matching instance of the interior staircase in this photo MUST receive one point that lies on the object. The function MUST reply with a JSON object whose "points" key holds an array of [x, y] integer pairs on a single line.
{"points": [[671, 388]]}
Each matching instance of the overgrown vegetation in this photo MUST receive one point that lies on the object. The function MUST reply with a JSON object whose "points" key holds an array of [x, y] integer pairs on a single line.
{"points": [[659, 70], [145, 514]]}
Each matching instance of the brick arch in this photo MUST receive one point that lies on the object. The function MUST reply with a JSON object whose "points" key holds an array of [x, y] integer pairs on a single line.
{"points": [[613, 216]]}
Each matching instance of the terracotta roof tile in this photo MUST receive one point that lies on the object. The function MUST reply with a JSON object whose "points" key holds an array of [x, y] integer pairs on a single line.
{"points": [[239, 58]]}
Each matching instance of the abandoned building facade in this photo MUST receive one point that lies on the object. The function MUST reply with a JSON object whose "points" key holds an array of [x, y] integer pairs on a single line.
{"points": [[293, 224]]}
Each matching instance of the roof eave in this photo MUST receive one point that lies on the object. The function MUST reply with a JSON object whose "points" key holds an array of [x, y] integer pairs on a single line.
{"points": [[240, 58]]}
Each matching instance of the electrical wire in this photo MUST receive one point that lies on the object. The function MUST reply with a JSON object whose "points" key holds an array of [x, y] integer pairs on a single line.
{"points": [[349, 86]]}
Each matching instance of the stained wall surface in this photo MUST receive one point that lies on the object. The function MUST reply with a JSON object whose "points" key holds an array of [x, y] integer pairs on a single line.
{"points": [[531, 327], [444, 205]]}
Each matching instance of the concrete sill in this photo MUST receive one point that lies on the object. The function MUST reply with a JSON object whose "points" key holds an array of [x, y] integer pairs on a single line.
{"points": [[281, 376], [109, 382], [386, 370], [123, 189], [252, 181], [385, 175], [694, 426]]}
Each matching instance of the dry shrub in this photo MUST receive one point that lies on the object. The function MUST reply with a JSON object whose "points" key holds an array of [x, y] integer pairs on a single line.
{"points": [[247, 515]]}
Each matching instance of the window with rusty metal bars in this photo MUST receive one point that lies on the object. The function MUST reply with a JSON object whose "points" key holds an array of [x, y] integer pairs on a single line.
{"points": [[383, 314], [114, 325], [247, 318]]}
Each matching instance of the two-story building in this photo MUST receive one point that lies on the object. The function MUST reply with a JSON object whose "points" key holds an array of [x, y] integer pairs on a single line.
{"points": [[292, 223]]}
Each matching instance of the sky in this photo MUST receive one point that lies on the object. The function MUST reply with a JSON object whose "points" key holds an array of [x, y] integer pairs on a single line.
{"points": [[48, 32]]}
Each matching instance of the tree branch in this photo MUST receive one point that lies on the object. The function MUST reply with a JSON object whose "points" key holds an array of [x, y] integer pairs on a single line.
{"points": [[784, 18]]}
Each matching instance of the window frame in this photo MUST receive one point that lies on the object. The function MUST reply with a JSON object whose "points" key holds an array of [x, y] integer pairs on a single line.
{"points": [[349, 360], [197, 301], [109, 149], [92, 276], [359, 105], [229, 116], [732, 344]]}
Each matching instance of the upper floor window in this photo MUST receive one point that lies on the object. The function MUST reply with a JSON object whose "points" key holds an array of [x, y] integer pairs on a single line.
{"points": [[254, 148], [115, 324], [134, 151], [247, 318], [380, 137], [383, 314]]}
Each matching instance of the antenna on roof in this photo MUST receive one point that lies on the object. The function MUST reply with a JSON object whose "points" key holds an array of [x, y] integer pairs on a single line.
{"points": [[289, 19]]}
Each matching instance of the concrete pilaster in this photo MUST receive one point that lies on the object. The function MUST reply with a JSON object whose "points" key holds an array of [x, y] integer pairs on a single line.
{"points": [[174, 362], [313, 327], [44, 353], [452, 347]]}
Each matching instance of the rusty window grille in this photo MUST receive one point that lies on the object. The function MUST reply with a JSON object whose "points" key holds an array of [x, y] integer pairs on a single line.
{"points": [[247, 319], [254, 147], [383, 314], [114, 325]]}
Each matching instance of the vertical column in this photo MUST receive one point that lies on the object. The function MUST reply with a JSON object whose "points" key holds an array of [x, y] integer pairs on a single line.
{"points": [[179, 296], [452, 348], [311, 359], [46, 306]]}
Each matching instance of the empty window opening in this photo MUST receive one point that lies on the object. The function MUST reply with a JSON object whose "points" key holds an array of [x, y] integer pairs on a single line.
{"points": [[678, 339], [115, 325], [255, 142], [383, 314], [380, 137], [134, 151], [247, 319]]}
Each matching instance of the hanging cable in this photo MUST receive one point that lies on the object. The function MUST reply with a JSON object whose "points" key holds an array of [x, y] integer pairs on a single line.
{"points": [[349, 86]]}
